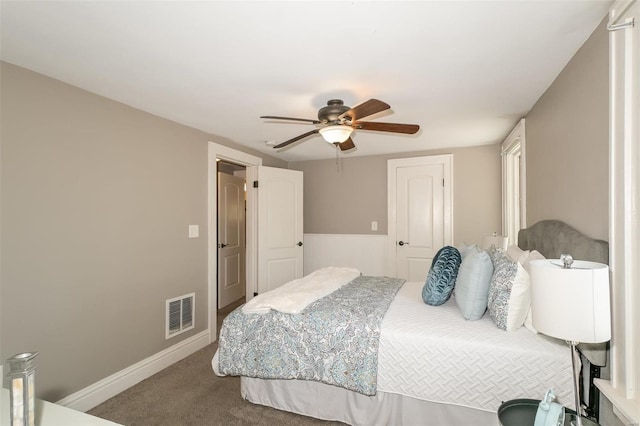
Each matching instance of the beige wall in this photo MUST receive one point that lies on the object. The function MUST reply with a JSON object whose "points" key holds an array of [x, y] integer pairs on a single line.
{"points": [[567, 134], [567, 143], [346, 201], [96, 201]]}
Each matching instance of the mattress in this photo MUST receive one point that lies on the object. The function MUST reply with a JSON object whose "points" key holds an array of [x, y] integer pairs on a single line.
{"points": [[432, 353]]}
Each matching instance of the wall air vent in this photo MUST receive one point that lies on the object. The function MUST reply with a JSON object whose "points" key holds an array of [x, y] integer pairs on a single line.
{"points": [[180, 315]]}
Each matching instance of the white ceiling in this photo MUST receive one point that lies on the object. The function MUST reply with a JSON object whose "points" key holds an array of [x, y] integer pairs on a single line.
{"points": [[464, 71]]}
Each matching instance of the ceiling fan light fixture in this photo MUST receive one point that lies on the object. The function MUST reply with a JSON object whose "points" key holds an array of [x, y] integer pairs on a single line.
{"points": [[337, 133]]}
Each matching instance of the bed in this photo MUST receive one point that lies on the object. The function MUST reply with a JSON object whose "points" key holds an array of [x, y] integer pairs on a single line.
{"points": [[433, 366]]}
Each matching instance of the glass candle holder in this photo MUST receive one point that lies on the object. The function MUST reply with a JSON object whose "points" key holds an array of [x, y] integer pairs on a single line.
{"points": [[21, 375]]}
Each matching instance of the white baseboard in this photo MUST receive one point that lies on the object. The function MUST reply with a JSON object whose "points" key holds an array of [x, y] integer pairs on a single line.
{"points": [[108, 387]]}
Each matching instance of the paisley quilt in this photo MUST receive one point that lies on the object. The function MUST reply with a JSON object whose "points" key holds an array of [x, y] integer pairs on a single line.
{"points": [[334, 340]]}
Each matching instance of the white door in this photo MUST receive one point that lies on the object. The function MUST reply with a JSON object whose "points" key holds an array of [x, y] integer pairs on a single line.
{"points": [[419, 213], [280, 230], [231, 239]]}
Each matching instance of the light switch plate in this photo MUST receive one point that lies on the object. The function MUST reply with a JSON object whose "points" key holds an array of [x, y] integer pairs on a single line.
{"points": [[194, 231]]}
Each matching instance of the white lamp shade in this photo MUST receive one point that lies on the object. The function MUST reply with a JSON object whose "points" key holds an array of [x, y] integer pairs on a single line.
{"points": [[336, 134], [496, 240], [571, 303]]}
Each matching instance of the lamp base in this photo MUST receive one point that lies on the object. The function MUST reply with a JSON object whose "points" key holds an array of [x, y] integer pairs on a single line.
{"points": [[575, 365]]}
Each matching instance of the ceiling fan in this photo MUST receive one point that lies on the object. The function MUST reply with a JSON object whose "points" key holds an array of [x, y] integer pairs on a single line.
{"points": [[337, 121]]}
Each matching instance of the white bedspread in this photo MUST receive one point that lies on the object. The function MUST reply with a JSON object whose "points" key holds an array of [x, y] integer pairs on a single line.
{"points": [[432, 353], [296, 295]]}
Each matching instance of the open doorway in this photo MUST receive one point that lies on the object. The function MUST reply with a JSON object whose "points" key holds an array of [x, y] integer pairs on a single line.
{"points": [[231, 226], [251, 163]]}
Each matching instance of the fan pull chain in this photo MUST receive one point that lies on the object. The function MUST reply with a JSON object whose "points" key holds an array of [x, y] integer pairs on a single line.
{"points": [[337, 158]]}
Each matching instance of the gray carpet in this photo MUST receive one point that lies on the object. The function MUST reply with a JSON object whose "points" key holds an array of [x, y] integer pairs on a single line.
{"points": [[189, 393]]}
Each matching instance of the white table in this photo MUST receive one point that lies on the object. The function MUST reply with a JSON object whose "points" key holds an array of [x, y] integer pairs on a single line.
{"points": [[49, 414]]}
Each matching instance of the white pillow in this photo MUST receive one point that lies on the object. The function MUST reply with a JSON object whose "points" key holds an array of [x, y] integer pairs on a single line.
{"points": [[533, 255], [517, 254], [472, 284], [509, 294], [519, 300]]}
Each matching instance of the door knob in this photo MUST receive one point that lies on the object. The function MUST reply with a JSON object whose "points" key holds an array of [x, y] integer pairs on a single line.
{"points": [[299, 244], [222, 245], [401, 243]]}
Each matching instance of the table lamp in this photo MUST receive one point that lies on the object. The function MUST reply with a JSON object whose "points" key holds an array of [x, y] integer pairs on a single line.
{"points": [[570, 301], [494, 240]]}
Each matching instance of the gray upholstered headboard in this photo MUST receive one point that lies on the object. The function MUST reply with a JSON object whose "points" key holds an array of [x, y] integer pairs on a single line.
{"points": [[553, 238]]}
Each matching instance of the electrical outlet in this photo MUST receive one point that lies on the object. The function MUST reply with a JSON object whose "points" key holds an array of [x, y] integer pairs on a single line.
{"points": [[374, 225]]}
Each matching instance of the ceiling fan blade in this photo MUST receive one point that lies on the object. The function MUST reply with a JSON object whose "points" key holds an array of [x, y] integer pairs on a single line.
{"points": [[387, 127], [297, 138], [306, 120], [365, 109], [346, 145]]}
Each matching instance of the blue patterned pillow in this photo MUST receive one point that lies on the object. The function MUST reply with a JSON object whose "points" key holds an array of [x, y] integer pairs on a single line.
{"points": [[442, 276]]}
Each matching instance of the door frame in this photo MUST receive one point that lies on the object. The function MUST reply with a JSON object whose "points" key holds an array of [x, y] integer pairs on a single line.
{"points": [[447, 161], [514, 185], [251, 163]]}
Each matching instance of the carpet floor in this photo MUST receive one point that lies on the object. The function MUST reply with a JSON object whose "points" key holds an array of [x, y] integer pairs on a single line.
{"points": [[188, 393]]}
